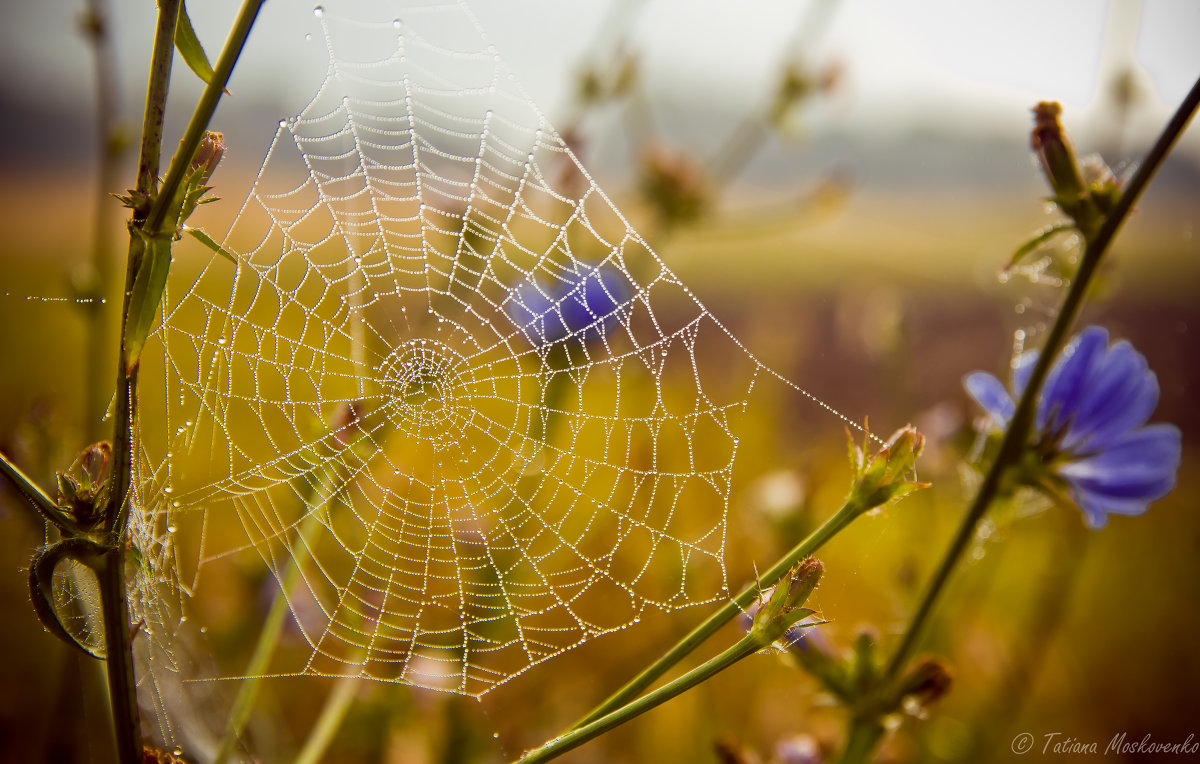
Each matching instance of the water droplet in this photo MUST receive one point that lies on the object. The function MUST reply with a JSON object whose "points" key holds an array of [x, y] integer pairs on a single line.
{"points": [[319, 11], [177, 750], [168, 489], [495, 736], [283, 123], [170, 529], [174, 504], [220, 340], [308, 38], [396, 23]]}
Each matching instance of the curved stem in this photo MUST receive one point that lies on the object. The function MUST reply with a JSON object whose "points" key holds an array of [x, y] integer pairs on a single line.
{"points": [[580, 735], [725, 614], [1017, 434]]}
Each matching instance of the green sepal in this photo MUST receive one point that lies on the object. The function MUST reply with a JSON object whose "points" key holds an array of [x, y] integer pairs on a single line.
{"points": [[41, 583], [189, 47], [209, 242], [148, 287], [1040, 238]]}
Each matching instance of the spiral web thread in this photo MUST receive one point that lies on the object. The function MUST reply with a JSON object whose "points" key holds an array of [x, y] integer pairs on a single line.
{"points": [[450, 398]]}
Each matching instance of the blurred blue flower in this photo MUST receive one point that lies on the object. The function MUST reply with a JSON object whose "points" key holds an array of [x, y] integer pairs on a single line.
{"points": [[583, 305], [1090, 429]]}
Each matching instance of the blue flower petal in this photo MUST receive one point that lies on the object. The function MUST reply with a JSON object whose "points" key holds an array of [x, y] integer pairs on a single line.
{"points": [[1135, 470], [535, 314], [1069, 378], [593, 303], [1123, 395], [1090, 425], [989, 393]]}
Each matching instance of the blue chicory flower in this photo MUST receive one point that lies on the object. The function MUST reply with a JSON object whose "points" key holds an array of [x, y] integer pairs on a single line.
{"points": [[583, 304], [1090, 426]]}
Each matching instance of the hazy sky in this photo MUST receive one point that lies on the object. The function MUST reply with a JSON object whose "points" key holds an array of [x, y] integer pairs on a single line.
{"points": [[958, 62]]}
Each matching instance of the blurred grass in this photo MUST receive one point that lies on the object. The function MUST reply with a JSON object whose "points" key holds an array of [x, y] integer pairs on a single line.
{"points": [[878, 309]]}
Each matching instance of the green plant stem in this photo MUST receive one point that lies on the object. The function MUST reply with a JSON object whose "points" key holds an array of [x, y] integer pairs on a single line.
{"points": [[268, 638], [865, 733], [99, 280], [202, 115], [1017, 434], [118, 656], [35, 496], [121, 680], [122, 684], [337, 705], [581, 734], [725, 614]]}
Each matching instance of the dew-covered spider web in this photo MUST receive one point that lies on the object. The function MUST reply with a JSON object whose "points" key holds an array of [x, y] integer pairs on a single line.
{"points": [[448, 397]]}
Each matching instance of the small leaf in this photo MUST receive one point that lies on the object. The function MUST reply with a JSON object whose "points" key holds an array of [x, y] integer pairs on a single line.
{"points": [[189, 46], [1042, 236], [41, 584], [208, 241], [148, 288]]}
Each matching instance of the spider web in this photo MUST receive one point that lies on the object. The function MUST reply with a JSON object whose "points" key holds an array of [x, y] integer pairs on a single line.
{"points": [[451, 400]]}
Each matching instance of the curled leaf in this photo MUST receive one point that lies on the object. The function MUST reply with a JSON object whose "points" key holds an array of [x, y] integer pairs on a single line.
{"points": [[41, 584]]}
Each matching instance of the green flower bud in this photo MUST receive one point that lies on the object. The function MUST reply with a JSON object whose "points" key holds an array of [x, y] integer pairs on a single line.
{"points": [[1054, 151], [891, 473], [784, 608]]}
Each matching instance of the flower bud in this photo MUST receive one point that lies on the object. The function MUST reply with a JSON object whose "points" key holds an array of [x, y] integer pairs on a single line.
{"points": [[783, 609], [208, 155], [1054, 151], [83, 487], [891, 473], [928, 681]]}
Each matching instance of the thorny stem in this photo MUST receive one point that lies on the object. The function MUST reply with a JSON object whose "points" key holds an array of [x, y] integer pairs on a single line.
{"points": [[114, 606], [122, 685], [727, 613], [202, 114], [1017, 434], [603, 723]]}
